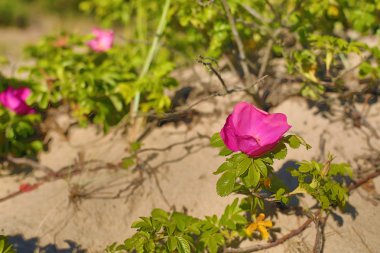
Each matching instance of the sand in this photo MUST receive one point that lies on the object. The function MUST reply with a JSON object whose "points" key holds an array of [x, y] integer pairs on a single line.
{"points": [[53, 219]]}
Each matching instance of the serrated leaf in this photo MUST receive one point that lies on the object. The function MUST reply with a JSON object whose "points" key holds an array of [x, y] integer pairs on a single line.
{"points": [[262, 167], [304, 167], [226, 183], [280, 151], [225, 151], [183, 245], [172, 243], [159, 214], [243, 166], [171, 228], [216, 141], [224, 167], [325, 203], [253, 177], [293, 141], [239, 157], [267, 159]]}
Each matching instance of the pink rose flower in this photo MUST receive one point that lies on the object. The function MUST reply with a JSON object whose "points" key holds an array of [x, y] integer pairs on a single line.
{"points": [[14, 100], [103, 40], [253, 131]]}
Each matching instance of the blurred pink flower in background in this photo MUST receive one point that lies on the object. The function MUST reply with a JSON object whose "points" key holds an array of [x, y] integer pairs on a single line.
{"points": [[103, 40], [253, 131], [14, 100]]}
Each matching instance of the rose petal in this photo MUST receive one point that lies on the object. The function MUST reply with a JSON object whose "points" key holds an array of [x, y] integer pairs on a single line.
{"points": [[228, 135], [103, 40], [14, 100], [253, 131], [272, 128], [246, 118], [247, 144]]}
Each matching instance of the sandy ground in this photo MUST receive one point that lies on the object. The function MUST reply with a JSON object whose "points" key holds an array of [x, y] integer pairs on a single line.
{"points": [[49, 220]]}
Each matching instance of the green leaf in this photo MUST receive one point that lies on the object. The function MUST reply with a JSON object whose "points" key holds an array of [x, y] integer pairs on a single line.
{"points": [[280, 151], [225, 152], [37, 145], [216, 141], [243, 166], [262, 167], [267, 159], [159, 214], [135, 146], [127, 162], [2, 245], [117, 102], [172, 243], [325, 203], [5, 246], [226, 183], [279, 193], [305, 167], [253, 177], [183, 245], [44, 102], [293, 141], [224, 167]]}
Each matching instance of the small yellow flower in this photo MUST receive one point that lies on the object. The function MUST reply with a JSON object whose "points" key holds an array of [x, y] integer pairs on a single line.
{"points": [[261, 225]]}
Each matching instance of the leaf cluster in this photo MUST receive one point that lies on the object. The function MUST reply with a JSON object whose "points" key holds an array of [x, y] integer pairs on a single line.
{"points": [[96, 87], [324, 182], [178, 232], [20, 135], [5, 246]]}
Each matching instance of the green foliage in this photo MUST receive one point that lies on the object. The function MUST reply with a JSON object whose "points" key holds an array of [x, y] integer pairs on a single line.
{"points": [[177, 232], [97, 87], [247, 175], [19, 134], [13, 13], [309, 35], [5, 246], [324, 182], [250, 177]]}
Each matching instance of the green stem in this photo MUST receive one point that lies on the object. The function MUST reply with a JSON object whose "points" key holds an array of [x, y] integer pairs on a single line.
{"points": [[152, 52]]}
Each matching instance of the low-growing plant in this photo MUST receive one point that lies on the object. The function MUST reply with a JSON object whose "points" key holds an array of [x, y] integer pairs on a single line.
{"points": [[19, 128], [311, 36], [150, 39], [96, 85], [251, 140], [5, 246]]}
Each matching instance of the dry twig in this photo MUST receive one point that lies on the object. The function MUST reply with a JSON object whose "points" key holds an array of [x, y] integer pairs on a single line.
{"points": [[239, 43]]}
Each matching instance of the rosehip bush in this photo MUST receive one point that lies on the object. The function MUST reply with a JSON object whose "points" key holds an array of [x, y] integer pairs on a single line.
{"points": [[311, 36], [125, 67], [19, 131], [95, 78], [251, 140]]}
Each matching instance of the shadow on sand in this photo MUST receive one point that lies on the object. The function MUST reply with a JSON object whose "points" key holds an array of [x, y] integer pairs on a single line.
{"points": [[24, 245]]}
